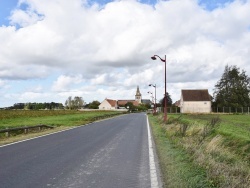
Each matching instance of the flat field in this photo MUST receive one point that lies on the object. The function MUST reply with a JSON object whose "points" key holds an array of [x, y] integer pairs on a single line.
{"points": [[204, 150], [234, 126], [19, 118], [59, 119]]}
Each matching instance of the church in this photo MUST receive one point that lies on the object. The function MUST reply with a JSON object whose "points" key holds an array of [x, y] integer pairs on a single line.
{"points": [[109, 104]]}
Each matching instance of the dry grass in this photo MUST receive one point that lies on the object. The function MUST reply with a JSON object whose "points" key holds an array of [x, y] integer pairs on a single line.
{"points": [[226, 167]]}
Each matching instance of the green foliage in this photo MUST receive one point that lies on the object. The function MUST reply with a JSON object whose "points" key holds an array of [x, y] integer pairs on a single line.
{"points": [[94, 105], [36, 106], [219, 144], [75, 103], [233, 89], [178, 170], [130, 106], [169, 100], [143, 107], [210, 127]]}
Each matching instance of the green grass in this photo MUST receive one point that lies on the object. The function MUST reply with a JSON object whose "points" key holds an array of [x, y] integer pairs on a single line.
{"points": [[18, 118], [177, 168], [223, 151], [236, 126]]}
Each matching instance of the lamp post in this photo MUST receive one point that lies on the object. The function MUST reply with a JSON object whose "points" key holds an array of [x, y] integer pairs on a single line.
{"points": [[155, 96], [152, 96], [165, 107]]}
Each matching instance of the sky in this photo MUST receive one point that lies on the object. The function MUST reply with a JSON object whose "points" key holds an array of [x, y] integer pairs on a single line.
{"points": [[53, 49]]}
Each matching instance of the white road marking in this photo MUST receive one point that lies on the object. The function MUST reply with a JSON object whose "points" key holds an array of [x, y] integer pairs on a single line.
{"points": [[49, 134], [153, 174], [39, 136]]}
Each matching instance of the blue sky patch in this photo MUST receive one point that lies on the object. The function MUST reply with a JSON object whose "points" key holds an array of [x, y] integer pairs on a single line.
{"points": [[6, 6]]}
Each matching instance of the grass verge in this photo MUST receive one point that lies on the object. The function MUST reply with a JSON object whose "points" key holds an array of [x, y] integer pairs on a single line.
{"points": [[218, 145], [177, 168]]}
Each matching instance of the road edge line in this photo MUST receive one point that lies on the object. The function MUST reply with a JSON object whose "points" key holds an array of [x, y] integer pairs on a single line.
{"points": [[38, 137], [75, 127], [152, 166]]}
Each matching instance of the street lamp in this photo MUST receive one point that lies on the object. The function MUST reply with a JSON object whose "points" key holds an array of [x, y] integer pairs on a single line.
{"points": [[155, 96], [152, 96], [165, 101]]}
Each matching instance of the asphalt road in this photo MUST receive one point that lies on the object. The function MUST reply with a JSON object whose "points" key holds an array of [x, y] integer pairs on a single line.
{"points": [[112, 153]]}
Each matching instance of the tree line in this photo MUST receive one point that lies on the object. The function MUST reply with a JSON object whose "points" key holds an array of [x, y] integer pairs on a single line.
{"points": [[72, 103], [36, 106]]}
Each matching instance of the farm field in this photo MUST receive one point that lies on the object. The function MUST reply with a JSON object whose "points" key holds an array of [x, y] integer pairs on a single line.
{"points": [[59, 119], [18, 118], [209, 150]]}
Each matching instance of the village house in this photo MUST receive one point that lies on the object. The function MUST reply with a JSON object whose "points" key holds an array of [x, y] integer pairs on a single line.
{"points": [[109, 104], [195, 101]]}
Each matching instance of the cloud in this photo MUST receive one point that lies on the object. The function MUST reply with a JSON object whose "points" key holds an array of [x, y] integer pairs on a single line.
{"points": [[24, 18], [65, 83], [108, 47]]}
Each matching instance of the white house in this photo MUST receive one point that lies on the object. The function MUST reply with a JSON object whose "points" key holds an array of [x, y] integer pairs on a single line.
{"points": [[108, 104], [195, 101]]}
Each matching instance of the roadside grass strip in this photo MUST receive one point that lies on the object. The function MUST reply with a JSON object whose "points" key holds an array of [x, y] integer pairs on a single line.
{"points": [[203, 150], [178, 170]]}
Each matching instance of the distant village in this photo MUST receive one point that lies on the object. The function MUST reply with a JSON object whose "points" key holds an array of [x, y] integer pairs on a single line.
{"points": [[191, 101]]}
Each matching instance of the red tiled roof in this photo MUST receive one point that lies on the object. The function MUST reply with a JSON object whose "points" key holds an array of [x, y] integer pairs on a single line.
{"points": [[195, 95], [123, 102], [112, 102]]}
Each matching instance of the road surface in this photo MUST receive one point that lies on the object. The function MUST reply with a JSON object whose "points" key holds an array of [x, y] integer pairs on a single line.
{"points": [[112, 153]]}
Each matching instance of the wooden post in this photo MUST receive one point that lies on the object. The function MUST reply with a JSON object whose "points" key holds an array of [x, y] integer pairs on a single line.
{"points": [[7, 134]]}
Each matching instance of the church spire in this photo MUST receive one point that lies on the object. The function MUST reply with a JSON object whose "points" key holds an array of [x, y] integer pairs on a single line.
{"points": [[138, 95]]}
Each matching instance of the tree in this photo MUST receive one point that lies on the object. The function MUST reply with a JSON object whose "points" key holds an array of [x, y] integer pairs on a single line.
{"points": [[130, 106], [68, 103], [78, 102], [233, 89], [75, 103], [94, 105], [143, 107], [169, 100]]}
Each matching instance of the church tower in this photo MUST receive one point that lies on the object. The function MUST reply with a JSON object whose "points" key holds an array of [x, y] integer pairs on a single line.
{"points": [[138, 95]]}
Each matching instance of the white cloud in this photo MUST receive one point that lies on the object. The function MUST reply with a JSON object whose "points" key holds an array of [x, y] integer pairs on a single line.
{"points": [[24, 18], [65, 83], [109, 47], [139, 78]]}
